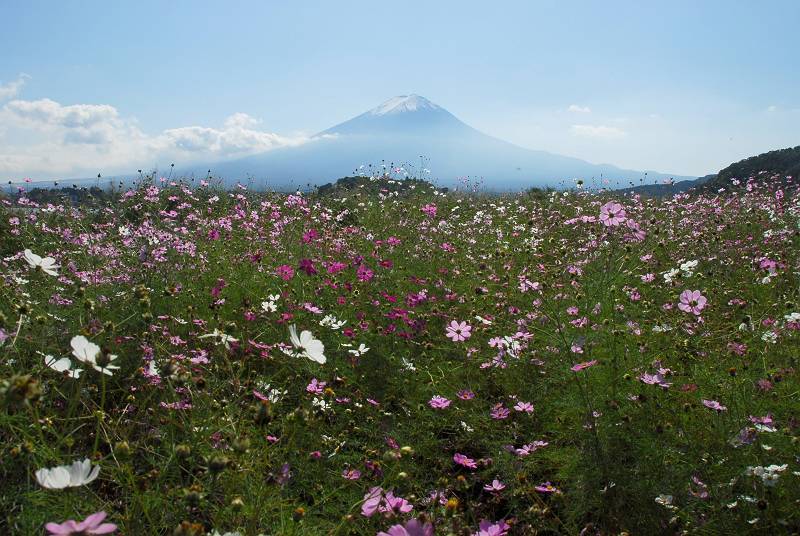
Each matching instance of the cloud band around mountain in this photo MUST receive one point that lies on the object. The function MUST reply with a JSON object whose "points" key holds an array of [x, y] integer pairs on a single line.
{"points": [[62, 140]]}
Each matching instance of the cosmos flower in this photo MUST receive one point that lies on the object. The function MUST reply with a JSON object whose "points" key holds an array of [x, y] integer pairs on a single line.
{"points": [[91, 525], [612, 214], [495, 487], [458, 331], [358, 352], [580, 366], [62, 365], [89, 353], [463, 460], [221, 338], [307, 346], [371, 501], [79, 473], [438, 402], [547, 487], [525, 407], [713, 404], [47, 265], [412, 528], [692, 301], [395, 505], [487, 528]]}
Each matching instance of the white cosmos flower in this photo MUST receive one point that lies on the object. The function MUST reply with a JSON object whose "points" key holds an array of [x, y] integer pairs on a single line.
{"points": [[62, 365], [88, 352], [221, 338], [79, 473], [332, 322], [361, 350], [483, 321], [307, 345], [48, 264], [269, 306]]}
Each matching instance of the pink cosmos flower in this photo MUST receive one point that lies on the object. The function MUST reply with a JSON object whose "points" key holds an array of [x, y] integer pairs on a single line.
{"points": [[487, 528], [692, 301], [465, 394], [364, 273], [525, 407], [285, 272], [528, 449], [429, 210], [316, 387], [395, 505], [91, 525], [371, 501], [499, 412], [412, 528], [495, 487], [307, 266], [547, 487], [612, 214], [462, 460], [585, 365], [351, 474], [654, 379], [458, 331], [713, 404], [438, 402]]}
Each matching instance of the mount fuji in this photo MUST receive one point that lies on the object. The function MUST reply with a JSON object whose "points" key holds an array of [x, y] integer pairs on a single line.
{"points": [[411, 131]]}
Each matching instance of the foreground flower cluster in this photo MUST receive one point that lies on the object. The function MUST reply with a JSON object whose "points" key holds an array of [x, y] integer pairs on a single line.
{"points": [[190, 360]]}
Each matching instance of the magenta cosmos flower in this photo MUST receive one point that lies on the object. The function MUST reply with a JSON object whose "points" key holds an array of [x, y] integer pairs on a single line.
{"points": [[612, 214], [459, 331], [91, 525], [692, 301]]}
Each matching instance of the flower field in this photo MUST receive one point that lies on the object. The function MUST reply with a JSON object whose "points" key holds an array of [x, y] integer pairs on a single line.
{"points": [[188, 360]]}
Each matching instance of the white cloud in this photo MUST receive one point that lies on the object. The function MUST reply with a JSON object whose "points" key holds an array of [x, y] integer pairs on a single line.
{"points": [[70, 140], [12, 89], [600, 132], [772, 108], [575, 108]]}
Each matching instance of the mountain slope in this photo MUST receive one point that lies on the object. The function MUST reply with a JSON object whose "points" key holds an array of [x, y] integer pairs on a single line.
{"points": [[775, 166], [783, 163], [406, 128]]}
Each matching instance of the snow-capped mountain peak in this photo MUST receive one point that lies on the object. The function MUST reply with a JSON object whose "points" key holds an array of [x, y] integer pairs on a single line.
{"points": [[404, 103]]}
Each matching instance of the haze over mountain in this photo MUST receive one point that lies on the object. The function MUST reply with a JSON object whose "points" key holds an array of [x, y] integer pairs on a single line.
{"points": [[411, 131]]}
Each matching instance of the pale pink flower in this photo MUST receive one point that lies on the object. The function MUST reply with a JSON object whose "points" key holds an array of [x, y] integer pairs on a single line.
{"points": [[612, 214], [91, 525], [439, 402], [463, 460], [458, 331], [692, 301], [495, 487], [713, 404], [585, 365]]}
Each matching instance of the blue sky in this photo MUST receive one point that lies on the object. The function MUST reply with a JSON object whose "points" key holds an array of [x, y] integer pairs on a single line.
{"points": [[683, 87]]}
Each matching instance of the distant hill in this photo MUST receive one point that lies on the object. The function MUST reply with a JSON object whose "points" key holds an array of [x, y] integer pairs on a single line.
{"points": [[665, 189], [773, 165], [370, 186], [426, 141], [781, 164]]}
